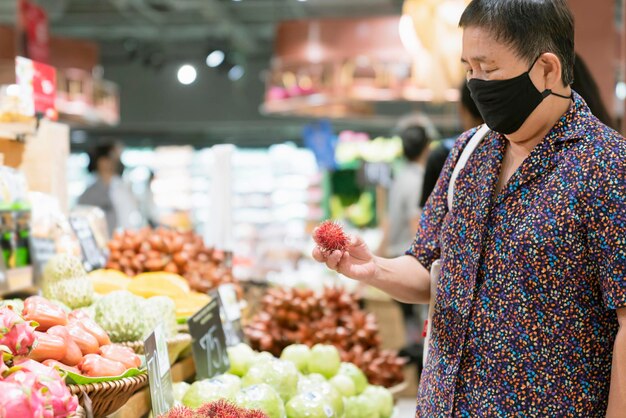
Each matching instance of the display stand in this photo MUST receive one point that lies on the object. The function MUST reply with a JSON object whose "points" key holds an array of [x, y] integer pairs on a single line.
{"points": [[139, 404], [38, 152]]}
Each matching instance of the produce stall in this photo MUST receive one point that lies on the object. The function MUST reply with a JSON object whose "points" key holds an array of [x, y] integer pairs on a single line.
{"points": [[156, 322]]}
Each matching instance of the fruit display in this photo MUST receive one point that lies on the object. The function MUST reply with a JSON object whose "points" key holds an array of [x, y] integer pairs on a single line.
{"points": [[71, 342], [302, 316], [287, 387], [128, 318], [65, 280], [217, 409], [27, 387], [150, 285], [155, 250]]}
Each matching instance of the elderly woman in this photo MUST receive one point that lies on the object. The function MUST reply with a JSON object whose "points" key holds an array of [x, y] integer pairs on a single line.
{"points": [[530, 315]]}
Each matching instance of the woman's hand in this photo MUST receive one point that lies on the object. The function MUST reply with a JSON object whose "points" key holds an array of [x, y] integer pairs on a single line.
{"points": [[357, 262]]}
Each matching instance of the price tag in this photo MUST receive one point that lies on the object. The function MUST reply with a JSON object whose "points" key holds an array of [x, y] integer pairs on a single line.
{"points": [[209, 341], [159, 375], [41, 250], [230, 311], [93, 257]]}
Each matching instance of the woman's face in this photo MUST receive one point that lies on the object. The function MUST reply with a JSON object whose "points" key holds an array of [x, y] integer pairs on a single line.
{"points": [[106, 166]]}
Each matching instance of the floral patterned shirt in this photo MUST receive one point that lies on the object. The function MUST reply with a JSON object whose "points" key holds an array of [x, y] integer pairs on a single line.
{"points": [[525, 319]]}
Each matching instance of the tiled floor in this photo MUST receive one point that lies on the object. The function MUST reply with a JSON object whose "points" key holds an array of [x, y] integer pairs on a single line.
{"points": [[406, 408]]}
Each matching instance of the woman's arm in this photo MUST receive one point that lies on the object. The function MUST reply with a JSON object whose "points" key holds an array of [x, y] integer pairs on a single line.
{"points": [[403, 278], [617, 394]]}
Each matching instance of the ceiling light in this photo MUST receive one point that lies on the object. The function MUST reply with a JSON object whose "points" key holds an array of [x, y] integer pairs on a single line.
{"points": [[236, 73], [187, 74], [215, 58]]}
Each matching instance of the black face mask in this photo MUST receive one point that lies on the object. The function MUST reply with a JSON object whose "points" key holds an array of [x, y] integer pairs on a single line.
{"points": [[506, 104]]}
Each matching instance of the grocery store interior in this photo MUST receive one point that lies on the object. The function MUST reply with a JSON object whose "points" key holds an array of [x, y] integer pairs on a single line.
{"points": [[165, 164]]}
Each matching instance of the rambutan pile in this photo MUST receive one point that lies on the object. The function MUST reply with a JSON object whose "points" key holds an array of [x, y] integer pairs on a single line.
{"points": [[217, 409], [179, 412], [329, 236]]}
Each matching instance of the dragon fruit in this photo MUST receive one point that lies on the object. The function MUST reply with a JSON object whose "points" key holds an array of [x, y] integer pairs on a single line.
{"points": [[45, 388], [15, 333], [18, 401]]}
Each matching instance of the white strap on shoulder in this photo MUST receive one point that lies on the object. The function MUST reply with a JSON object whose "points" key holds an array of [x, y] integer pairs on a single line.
{"points": [[465, 155]]}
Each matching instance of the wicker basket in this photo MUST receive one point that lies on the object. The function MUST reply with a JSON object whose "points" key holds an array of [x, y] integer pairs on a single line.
{"points": [[175, 346], [108, 397], [80, 413]]}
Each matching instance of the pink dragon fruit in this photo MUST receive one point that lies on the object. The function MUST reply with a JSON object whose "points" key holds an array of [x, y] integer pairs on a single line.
{"points": [[45, 384], [15, 332], [17, 401]]}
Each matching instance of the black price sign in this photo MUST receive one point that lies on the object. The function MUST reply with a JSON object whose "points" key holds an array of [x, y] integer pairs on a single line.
{"points": [[159, 375], [93, 256], [41, 251], [209, 341]]}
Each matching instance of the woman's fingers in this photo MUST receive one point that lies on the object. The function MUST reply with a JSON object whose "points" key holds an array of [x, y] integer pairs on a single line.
{"points": [[333, 260], [318, 255]]}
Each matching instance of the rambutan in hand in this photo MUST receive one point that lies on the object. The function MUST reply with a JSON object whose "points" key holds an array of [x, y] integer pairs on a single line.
{"points": [[356, 261]]}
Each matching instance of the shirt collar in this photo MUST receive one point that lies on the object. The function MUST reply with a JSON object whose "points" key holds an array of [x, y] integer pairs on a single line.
{"points": [[574, 124]]}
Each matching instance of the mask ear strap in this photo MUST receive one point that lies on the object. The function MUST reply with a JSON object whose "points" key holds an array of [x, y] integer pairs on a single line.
{"points": [[535, 62], [548, 92]]}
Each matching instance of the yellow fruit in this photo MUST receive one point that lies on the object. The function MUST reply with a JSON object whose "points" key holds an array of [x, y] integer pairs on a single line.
{"points": [[159, 284], [107, 281], [190, 304]]}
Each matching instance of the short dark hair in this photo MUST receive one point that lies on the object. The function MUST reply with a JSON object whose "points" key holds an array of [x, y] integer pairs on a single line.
{"points": [[98, 152], [414, 141], [530, 27]]}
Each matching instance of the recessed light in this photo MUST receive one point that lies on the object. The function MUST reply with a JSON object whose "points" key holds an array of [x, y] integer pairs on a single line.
{"points": [[215, 58], [187, 74], [236, 73]]}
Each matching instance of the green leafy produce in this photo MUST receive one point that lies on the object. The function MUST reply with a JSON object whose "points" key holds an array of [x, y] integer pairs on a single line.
{"points": [[280, 375], [120, 314], [160, 309], [324, 360], [316, 377], [208, 390], [382, 398], [264, 356], [240, 356], [180, 389], [311, 405], [357, 376], [261, 397], [344, 385], [360, 407], [299, 355], [331, 395]]}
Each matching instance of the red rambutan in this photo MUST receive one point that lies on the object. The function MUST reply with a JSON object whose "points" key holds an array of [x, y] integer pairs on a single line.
{"points": [[219, 409], [255, 414], [179, 412], [330, 237]]}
